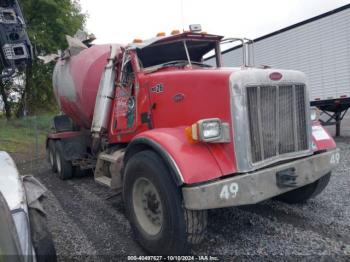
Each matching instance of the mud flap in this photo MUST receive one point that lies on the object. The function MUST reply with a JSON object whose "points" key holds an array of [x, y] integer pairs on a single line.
{"points": [[34, 191]]}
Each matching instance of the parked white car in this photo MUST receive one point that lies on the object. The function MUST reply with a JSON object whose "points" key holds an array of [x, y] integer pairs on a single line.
{"points": [[24, 234]]}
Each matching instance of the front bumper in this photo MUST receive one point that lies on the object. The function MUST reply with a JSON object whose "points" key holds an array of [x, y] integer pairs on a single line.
{"points": [[254, 187]]}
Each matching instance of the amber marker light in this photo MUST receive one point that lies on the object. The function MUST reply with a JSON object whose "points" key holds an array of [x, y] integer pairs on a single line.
{"points": [[209, 130], [160, 34], [137, 41], [175, 32], [191, 133]]}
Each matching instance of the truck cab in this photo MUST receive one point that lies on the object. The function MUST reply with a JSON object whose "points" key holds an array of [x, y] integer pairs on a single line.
{"points": [[142, 83], [177, 136]]}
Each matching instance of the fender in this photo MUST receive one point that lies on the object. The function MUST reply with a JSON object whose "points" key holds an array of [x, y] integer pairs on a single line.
{"points": [[75, 143], [190, 163], [194, 163], [321, 139]]}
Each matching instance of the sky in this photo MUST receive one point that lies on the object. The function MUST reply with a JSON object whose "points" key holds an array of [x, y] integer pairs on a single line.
{"points": [[115, 21]]}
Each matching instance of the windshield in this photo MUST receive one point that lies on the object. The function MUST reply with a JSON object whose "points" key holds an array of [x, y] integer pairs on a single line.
{"points": [[175, 52]]}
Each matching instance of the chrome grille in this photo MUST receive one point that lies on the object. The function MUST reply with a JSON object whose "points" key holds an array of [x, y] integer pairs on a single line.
{"points": [[277, 120]]}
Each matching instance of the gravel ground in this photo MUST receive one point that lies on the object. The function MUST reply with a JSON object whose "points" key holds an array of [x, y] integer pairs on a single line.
{"points": [[88, 223]]}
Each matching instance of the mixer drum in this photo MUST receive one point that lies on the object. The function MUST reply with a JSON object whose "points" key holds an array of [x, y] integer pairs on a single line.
{"points": [[76, 80]]}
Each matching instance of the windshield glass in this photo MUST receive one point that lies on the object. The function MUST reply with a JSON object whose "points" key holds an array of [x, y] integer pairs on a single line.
{"points": [[167, 53]]}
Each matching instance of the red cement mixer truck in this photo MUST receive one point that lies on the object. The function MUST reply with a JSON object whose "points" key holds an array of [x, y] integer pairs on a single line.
{"points": [[177, 137]]}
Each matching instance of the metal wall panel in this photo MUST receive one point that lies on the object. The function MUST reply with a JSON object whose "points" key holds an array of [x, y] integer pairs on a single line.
{"points": [[320, 49]]}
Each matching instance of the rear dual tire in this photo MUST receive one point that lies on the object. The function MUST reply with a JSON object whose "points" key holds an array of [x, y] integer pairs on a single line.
{"points": [[58, 163], [64, 167], [155, 209], [52, 155]]}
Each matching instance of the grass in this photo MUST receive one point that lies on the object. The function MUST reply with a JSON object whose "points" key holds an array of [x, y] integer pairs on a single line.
{"points": [[19, 135]]}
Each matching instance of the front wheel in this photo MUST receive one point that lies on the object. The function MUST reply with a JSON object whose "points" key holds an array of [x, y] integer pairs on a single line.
{"points": [[154, 207], [302, 194], [41, 237]]}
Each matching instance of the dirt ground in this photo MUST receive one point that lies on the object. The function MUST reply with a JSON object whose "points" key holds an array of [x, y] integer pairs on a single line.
{"points": [[88, 223]]}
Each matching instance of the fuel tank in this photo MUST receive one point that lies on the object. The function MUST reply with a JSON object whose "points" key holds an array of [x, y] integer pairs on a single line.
{"points": [[76, 81]]}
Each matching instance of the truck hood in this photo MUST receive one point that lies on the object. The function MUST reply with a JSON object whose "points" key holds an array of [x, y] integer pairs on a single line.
{"points": [[223, 71]]}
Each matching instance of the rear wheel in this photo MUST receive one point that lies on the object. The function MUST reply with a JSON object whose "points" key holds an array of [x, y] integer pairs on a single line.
{"points": [[154, 207], [304, 193], [51, 155], [64, 167]]}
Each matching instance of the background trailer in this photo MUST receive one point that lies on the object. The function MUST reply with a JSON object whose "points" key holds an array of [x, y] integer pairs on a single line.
{"points": [[319, 47]]}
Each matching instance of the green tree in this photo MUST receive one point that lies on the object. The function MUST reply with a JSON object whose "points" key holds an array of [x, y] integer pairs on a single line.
{"points": [[5, 93], [48, 21]]}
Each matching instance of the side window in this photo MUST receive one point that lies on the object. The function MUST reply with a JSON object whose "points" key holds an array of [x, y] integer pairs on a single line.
{"points": [[125, 104], [127, 74]]}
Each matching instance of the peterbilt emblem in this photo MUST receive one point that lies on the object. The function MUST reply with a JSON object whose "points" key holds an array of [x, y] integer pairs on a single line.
{"points": [[178, 98], [157, 89], [275, 76]]}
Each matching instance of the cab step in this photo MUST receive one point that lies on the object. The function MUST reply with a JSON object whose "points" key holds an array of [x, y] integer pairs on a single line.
{"points": [[103, 180], [108, 169]]}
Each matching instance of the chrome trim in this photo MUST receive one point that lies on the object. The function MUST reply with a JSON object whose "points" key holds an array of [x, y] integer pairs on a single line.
{"points": [[295, 135], [260, 123], [277, 120], [224, 135], [239, 80], [257, 186]]}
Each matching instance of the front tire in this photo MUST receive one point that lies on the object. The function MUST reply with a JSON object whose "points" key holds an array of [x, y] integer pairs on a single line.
{"points": [[41, 237], [154, 207], [64, 167], [302, 194]]}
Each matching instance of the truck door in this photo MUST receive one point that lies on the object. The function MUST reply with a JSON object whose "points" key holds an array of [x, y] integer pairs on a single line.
{"points": [[125, 106]]}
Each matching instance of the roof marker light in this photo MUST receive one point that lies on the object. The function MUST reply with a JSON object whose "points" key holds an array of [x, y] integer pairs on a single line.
{"points": [[195, 28], [175, 32], [137, 41], [160, 34]]}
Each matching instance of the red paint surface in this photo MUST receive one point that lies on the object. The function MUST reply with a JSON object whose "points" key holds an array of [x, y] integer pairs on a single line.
{"points": [[195, 161], [275, 76], [325, 144], [85, 69]]}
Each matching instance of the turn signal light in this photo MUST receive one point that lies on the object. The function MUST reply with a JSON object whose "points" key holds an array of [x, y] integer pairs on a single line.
{"points": [[208, 130], [191, 133]]}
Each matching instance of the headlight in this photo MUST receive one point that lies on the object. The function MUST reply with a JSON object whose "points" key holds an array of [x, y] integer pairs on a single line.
{"points": [[209, 130], [314, 114]]}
